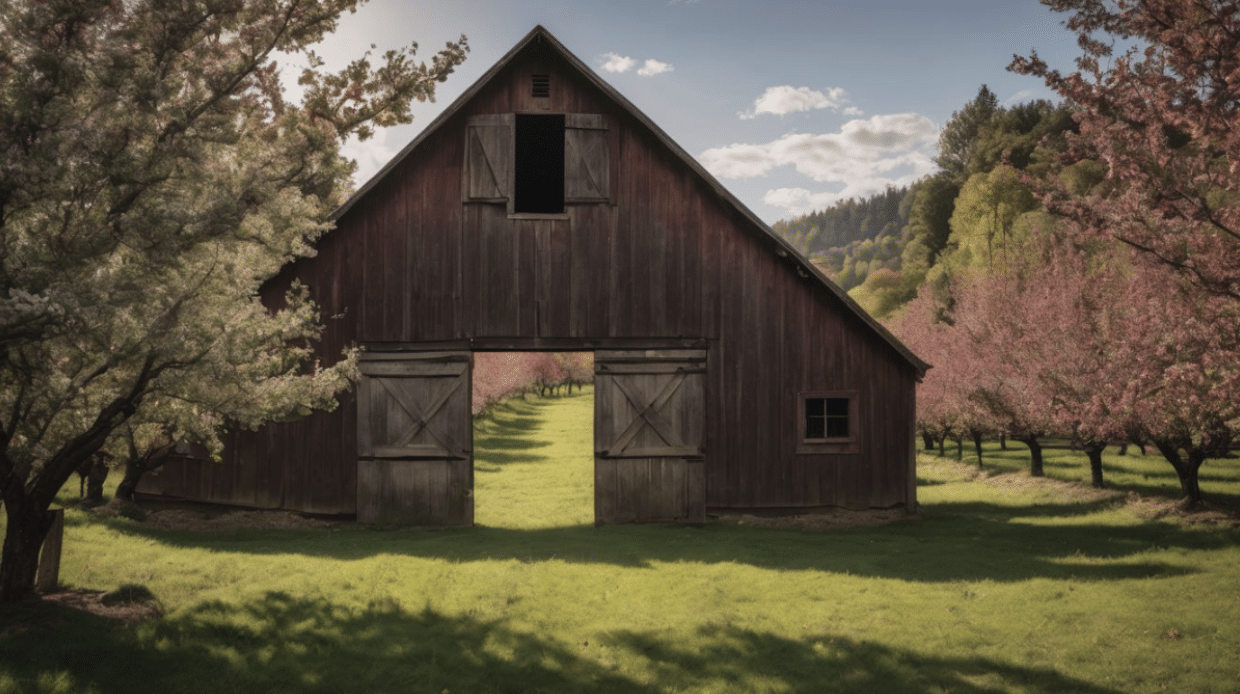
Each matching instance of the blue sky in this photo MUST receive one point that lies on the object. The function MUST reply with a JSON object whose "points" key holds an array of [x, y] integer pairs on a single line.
{"points": [[792, 105]]}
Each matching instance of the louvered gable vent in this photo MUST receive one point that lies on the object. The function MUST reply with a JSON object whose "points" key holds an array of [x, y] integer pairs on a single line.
{"points": [[541, 87]]}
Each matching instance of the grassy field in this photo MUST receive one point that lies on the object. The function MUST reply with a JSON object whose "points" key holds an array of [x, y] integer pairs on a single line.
{"points": [[1000, 585]]}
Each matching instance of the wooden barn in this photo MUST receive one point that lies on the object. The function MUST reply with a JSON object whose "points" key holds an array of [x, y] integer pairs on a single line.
{"points": [[543, 211]]}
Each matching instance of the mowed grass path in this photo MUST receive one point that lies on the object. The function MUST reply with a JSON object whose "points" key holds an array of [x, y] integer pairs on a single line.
{"points": [[534, 463], [999, 586]]}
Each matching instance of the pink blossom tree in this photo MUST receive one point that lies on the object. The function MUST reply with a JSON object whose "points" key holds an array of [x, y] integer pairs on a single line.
{"points": [[548, 372], [1080, 309], [498, 375], [1183, 391], [946, 402], [1004, 330], [1162, 119], [578, 368]]}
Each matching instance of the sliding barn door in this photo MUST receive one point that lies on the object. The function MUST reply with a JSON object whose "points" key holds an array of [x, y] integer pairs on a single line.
{"points": [[415, 439], [649, 420]]}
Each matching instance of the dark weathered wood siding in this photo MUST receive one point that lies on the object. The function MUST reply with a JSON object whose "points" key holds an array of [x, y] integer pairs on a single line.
{"points": [[668, 258]]}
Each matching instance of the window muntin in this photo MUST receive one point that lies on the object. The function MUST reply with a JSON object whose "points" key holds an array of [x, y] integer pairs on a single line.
{"points": [[826, 418], [827, 422]]}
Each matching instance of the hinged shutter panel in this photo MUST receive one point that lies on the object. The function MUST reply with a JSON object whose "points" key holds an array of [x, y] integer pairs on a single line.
{"points": [[587, 169], [488, 158]]}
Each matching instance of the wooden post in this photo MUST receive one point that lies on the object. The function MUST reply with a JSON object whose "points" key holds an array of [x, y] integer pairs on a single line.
{"points": [[910, 494], [49, 561]]}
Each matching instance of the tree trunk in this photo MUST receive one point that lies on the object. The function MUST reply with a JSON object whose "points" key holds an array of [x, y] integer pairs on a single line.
{"points": [[928, 440], [1094, 452], [1035, 455], [137, 466], [942, 445], [977, 445], [1123, 448], [129, 483], [1002, 441], [1189, 480], [19, 563], [1185, 469], [959, 447], [94, 481]]}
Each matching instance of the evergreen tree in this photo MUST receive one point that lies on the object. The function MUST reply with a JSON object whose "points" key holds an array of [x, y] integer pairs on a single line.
{"points": [[959, 138]]}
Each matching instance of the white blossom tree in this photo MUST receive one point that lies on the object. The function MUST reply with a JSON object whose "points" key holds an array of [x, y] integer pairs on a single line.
{"points": [[152, 177]]}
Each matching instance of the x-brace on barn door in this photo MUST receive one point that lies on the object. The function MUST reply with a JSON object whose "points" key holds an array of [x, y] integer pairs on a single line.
{"points": [[649, 423], [415, 439]]}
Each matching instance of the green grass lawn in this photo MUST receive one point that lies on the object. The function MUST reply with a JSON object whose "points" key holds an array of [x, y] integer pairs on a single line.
{"points": [[1000, 585]]}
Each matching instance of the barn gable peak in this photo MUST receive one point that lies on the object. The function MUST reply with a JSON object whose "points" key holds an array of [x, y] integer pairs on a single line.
{"points": [[539, 35]]}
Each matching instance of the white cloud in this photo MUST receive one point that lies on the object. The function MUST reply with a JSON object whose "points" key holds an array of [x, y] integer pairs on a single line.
{"points": [[865, 156], [798, 201], [1022, 94], [370, 156], [654, 67], [614, 62], [617, 63], [786, 99]]}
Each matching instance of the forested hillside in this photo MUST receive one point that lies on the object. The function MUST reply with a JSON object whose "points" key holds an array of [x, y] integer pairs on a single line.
{"points": [[854, 237], [883, 248]]}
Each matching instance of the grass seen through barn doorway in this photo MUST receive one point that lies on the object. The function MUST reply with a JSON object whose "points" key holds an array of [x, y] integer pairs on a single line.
{"points": [[534, 462]]}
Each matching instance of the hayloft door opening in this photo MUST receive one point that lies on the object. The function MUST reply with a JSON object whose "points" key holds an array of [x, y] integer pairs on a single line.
{"points": [[649, 422], [539, 163], [415, 439]]}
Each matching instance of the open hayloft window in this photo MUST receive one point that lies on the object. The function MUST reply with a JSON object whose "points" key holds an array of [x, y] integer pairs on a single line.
{"points": [[537, 163], [827, 421]]}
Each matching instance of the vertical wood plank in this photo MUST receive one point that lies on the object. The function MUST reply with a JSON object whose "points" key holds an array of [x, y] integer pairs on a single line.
{"points": [[526, 296]]}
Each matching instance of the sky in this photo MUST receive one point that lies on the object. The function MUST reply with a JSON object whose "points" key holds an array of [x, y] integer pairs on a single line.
{"points": [[791, 105]]}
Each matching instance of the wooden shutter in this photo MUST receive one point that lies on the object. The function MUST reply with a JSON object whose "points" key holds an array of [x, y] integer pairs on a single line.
{"points": [[415, 439], [649, 423], [488, 158], [586, 162]]}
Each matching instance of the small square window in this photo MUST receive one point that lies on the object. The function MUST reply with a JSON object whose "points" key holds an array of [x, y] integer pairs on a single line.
{"points": [[826, 418], [828, 422]]}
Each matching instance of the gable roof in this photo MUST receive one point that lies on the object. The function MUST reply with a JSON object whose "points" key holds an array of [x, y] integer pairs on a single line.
{"points": [[782, 248]]}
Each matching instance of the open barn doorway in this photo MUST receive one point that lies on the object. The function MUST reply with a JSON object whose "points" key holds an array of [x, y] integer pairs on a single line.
{"points": [[533, 419], [554, 440]]}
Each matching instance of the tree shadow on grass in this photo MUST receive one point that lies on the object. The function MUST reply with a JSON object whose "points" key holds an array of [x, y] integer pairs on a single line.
{"points": [[746, 658], [282, 643], [277, 642], [503, 450], [504, 437], [971, 541]]}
